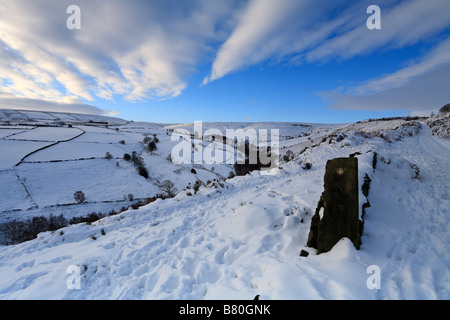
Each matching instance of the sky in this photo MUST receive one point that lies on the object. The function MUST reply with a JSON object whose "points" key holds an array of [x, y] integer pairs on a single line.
{"points": [[177, 61]]}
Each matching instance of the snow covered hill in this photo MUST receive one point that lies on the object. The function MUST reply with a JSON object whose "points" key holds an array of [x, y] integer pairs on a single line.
{"points": [[239, 237]]}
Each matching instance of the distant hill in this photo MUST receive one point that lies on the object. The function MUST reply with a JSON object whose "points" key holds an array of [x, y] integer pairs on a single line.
{"points": [[49, 117]]}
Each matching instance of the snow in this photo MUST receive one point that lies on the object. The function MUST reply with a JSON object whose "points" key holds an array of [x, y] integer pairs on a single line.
{"points": [[56, 183], [47, 134], [6, 132], [241, 238], [13, 193], [13, 151], [75, 150]]}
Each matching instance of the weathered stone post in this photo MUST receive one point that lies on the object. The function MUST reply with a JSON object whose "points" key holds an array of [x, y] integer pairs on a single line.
{"points": [[340, 207]]}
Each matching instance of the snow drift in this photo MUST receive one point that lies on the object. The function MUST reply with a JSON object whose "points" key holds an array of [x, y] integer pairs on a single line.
{"points": [[243, 236]]}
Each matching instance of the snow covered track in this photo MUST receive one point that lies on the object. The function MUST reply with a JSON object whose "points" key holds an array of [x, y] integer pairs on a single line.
{"points": [[243, 238]]}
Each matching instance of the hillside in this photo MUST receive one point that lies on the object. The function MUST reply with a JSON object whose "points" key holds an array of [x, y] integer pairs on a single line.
{"points": [[235, 237]]}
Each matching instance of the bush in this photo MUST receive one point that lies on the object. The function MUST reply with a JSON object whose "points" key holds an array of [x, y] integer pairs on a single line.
{"points": [[143, 172], [288, 156], [20, 231], [168, 187], [79, 197], [137, 161], [147, 140], [416, 171], [126, 157], [122, 141], [151, 146], [307, 166], [196, 186], [56, 222], [139, 164], [92, 217]]}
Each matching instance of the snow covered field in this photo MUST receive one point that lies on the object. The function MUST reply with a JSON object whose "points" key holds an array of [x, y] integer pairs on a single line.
{"points": [[238, 237]]}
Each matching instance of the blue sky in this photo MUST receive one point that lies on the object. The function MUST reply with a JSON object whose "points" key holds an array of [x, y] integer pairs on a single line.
{"points": [[226, 60]]}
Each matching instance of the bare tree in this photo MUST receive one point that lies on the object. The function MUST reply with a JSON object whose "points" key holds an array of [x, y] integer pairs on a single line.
{"points": [[79, 197], [168, 187]]}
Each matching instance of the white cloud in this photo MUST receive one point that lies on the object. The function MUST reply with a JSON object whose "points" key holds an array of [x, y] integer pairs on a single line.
{"points": [[8, 101], [405, 23], [439, 56], [133, 48], [302, 31], [427, 91], [255, 38], [417, 87]]}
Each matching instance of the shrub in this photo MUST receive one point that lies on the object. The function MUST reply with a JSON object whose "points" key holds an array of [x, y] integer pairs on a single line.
{"points": [[143, 172], [168, 187], [196, 186], [20, 231], [92, 217], [130, 196], [108, 156], [139, 164], [147, 140], [136, 205], [288, 156], [151, 146], [122, 141], [137, 161], [79, 197], [307, 166], [416, 171], [56, 222], [126, 157]]}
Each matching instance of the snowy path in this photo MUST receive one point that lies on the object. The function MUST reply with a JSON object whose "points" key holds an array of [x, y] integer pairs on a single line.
{"points": [[410, 222]]}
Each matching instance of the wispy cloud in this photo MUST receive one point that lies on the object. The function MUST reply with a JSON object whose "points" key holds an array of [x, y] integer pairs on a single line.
{"points": [[9, 101], [403, 23], [303, 32], [422, 85]]}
